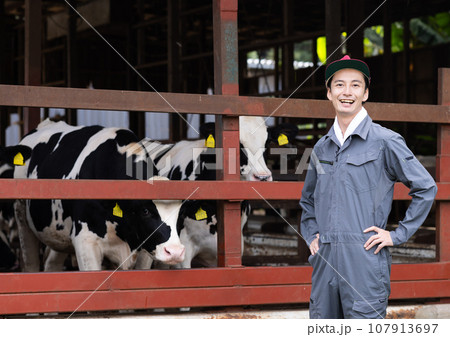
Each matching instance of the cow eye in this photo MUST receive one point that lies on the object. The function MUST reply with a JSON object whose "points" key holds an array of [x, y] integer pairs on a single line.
{"points": [[145, 212]]}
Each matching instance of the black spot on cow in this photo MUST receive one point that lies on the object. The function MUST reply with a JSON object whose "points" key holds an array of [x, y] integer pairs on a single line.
{"points": [[175, 173], [213, 229], [42, 150], [207, 165], [46, 155], [243, 159], [93, 214], [59, 227], [125, 137], [189, 168], [41, 212]]}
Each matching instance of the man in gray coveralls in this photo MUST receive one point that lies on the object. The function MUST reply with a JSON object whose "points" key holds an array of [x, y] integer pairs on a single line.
{"points": [[347, 198]]}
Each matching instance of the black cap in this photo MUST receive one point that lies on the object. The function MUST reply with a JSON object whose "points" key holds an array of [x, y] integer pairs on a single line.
{"points": [[344, 63]]}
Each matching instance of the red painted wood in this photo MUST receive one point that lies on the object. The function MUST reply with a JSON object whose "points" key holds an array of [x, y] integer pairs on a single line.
{"points": [[443, 231], [145, 299], [128, 189], [160, 279], [192, 278], [420, 289], [53, 97], [183, 297], [230, 235], [421, 271], [442, 171]]}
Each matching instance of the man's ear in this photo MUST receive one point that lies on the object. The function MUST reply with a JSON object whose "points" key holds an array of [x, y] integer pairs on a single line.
{"points": [[329, 93], [15, 155], [366, 95]]}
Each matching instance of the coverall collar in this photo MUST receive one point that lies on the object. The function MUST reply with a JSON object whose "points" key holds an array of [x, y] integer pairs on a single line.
{"points": [[362, 131]]}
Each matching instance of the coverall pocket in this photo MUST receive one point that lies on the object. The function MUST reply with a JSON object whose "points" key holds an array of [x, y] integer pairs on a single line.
{"points": [[311, 259], [324, 174], [369, 308], [363, 171]]}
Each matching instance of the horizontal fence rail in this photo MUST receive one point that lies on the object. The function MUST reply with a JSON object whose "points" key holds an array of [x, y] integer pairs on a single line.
{"points": [[171, 190], [70, 98], [105, 290]]}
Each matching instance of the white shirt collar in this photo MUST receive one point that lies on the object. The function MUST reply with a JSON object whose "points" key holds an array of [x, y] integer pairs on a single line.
{"points": [[351, 127]]}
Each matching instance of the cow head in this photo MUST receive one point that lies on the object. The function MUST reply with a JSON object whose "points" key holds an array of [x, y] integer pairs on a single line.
{"points": [[14, 155], [152, 226], [253, 137]]}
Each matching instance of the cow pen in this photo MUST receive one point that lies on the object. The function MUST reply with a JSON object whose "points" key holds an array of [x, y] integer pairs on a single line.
{"points": [[230, 284]]}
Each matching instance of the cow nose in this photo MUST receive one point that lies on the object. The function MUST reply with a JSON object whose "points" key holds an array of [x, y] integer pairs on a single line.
{"points": [[262, 177], [175, 253]]}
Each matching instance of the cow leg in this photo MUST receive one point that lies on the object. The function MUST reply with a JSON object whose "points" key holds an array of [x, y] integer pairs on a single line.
{"points": [[29, 243], [144, 260], [55, 260], [88, 253]]}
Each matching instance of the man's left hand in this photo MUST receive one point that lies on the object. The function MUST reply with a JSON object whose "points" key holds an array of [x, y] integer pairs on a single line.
{"points": [[382, 238]]}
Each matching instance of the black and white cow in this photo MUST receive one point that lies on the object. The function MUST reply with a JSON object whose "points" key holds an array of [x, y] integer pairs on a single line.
{"points": [[9, 236], [7, 223], [193, 160], [92, 229]]}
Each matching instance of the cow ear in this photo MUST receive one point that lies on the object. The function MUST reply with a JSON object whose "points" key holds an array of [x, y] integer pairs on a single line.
{"points": [[208, 129], [15, 155], [282, 134]]}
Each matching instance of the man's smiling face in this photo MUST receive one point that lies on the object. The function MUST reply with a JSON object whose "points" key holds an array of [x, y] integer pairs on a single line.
{"points": [[347, 92]]}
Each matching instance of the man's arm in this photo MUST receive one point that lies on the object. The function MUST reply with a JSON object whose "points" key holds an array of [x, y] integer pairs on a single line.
{"points": [[308, 225], [402, 165]]}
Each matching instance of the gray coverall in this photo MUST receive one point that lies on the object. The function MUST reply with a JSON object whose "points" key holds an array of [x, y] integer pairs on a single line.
{"points": [[348, 189]]}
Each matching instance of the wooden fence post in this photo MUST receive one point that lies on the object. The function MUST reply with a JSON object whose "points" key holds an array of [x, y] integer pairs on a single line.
{"points": [[443, 171], [227, 128]]}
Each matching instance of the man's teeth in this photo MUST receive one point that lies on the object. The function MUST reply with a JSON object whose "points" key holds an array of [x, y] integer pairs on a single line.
{"points": [[347, 101]]}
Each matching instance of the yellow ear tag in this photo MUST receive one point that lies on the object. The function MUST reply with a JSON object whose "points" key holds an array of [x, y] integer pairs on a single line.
{"points": [[18, 159], [283, 139], [200, 215], [117, 211], [210, 141]]}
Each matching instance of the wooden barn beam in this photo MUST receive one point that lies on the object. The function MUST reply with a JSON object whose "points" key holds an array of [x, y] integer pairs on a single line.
{"points": [[388, 75], [4, 121], [177, 126], [288, 47], [333, 29], [71, 55], [33, 57], [355, 15], [137, 120]]}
